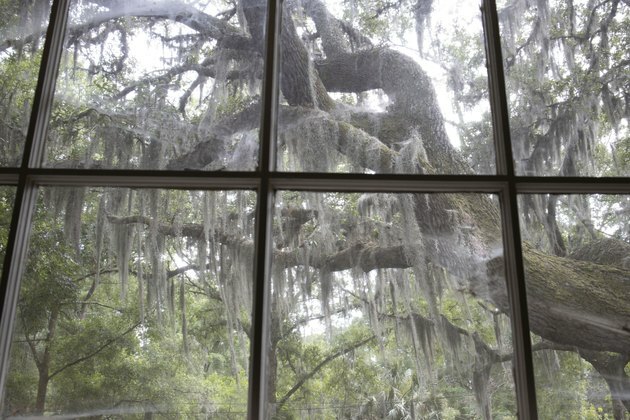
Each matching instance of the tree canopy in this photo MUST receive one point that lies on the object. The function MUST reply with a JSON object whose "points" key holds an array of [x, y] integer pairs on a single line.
{"points": [[137, 302]]}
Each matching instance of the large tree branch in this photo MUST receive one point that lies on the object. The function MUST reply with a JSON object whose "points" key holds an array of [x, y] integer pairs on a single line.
{"points": [[328, 27], [319, 367], [408, 87], [607, 251], [612, 369], [93, 353], [203, 69], [211, 150], [296, 125], [571, 302], [33, 348], [299, 82], [203, 23], [315, 130]]}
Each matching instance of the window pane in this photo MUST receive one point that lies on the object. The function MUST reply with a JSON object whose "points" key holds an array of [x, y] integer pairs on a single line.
{"points": [[384, 87], [7, 196], [135, 301], [566, 66], [22, 30], [382, 308], [167, 85], [577, 261]]}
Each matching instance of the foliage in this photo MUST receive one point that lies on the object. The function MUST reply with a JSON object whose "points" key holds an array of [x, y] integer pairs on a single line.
{"points": [[137, 302]]}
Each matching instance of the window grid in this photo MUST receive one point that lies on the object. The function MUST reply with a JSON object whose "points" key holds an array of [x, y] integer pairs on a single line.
{"points": [[26, 194], [266, 182], [264, 217], [513, 253]]}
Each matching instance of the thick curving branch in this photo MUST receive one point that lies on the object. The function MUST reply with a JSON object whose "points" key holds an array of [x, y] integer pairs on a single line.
{"points": [[203, 23], [570, 302]]}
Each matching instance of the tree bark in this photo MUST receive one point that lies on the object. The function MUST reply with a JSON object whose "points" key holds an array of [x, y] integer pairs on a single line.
{"points": [[572, 302], [43, 366], [612, 369]]}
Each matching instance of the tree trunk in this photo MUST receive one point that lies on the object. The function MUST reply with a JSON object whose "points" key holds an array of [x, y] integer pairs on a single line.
{"points": [[612, 369], [42, 389], [43, 367]]}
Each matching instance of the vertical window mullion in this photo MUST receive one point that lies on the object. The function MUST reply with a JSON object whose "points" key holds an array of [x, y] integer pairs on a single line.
{"points": [[496, 85], [515, 278], [513, 254], [26, 193], [257, 406], [45, 90]]}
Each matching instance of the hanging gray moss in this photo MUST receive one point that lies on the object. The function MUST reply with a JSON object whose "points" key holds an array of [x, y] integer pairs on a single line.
{"points": [[425, 333], [202, 260], [99, 236], [326, 285], [123, 240], [72, 218], [121, 201], [452, 340], [140, 269]]}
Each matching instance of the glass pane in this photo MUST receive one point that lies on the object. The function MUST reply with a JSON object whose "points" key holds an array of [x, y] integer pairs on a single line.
{"points": [[384, 87], [22, 30], [7, 196], [135, 303], [382, 308], [166, 85], [566, 66], [577, 270]]}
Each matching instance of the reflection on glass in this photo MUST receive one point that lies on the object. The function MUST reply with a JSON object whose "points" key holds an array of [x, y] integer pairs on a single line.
{"points": [[135, 303], [577, 271], [159, 85], [382, 307], [566, 67], [7, 196], [378, 87], [22, 31]]}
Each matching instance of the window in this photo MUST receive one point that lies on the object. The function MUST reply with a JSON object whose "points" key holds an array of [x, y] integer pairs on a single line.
{"points": [[316, 209]]}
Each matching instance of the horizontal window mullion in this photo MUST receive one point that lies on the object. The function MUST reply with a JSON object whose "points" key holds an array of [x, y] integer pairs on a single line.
{"points": [[9, 179], [388, 184], [572, 186], [319, 182], [146, 180]]}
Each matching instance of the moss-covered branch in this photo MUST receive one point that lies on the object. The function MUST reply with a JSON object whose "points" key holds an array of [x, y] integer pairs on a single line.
{"points": [[572, 302]]}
